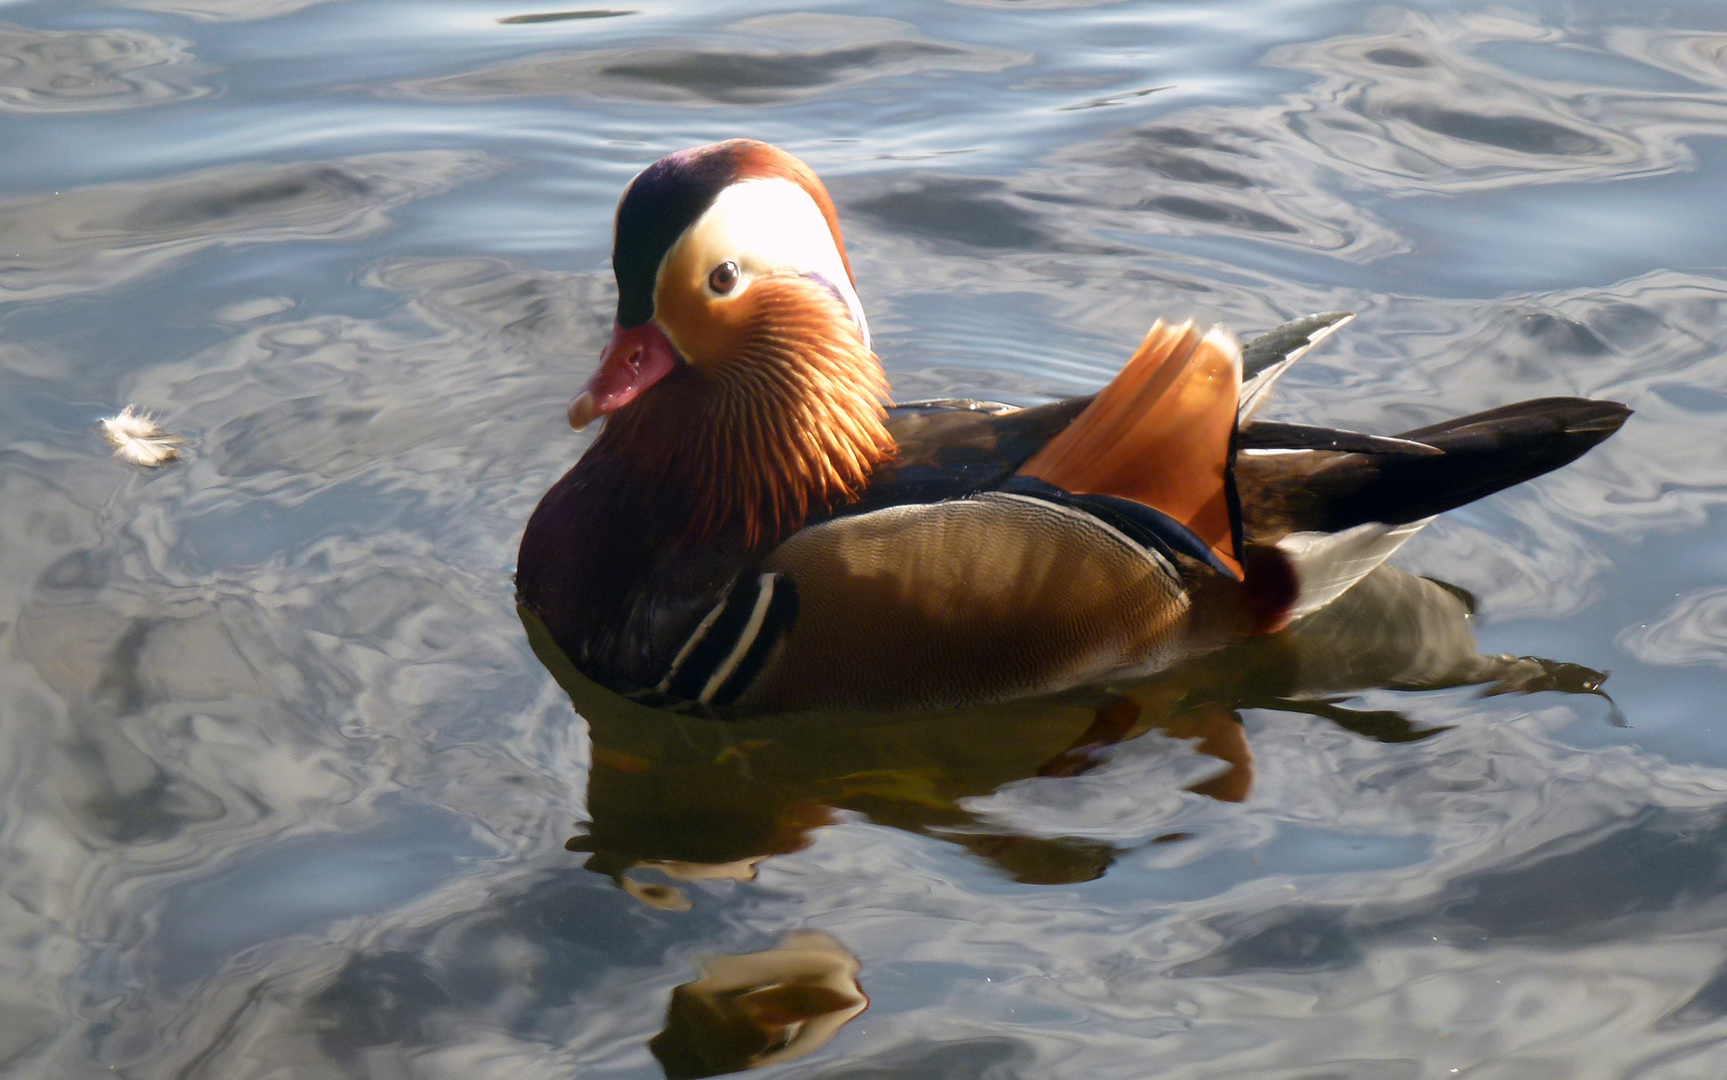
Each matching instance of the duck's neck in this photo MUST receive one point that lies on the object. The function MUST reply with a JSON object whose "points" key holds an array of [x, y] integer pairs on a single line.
{"points": [[793, 426]]}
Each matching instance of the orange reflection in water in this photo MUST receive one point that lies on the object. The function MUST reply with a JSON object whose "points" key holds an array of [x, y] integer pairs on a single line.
{"points": [[760, 1009]]}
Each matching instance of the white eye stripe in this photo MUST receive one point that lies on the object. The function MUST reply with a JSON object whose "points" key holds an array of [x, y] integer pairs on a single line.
{"points": [[849, 299], [766, 226]]}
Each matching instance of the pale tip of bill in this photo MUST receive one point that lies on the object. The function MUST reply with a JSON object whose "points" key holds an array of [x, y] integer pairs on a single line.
{"points": [[136, 437], [582, 411]]}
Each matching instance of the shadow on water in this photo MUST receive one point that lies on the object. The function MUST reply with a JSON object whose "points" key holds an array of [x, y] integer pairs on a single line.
{"points": [[697, 798]]}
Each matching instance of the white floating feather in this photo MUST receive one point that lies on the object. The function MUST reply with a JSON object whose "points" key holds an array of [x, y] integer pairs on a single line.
{"points": [[136, 437]]}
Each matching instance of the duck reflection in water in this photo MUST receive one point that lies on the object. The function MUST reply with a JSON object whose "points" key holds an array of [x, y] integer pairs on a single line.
{"points": [[760, 1009], [696, 798]]}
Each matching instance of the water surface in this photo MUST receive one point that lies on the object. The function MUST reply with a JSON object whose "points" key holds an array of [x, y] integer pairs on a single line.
{"points": [[287, 791]]}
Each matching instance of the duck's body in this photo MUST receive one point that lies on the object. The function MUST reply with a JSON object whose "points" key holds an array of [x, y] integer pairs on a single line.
{"points": [[756, 530]]}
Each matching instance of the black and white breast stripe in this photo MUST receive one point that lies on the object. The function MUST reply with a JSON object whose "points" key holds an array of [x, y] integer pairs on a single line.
{"points": [[733, 641]]}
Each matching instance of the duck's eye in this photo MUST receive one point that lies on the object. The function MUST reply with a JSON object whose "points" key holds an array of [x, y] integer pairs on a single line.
{"points": [[724, 277]]}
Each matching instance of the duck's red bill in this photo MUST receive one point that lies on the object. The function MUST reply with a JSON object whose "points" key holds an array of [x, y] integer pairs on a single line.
{"points": [[636, 358]]}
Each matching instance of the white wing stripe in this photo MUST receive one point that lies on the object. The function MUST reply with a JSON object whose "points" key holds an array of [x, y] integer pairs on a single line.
{"points": [[695, 638], [746, 638]]}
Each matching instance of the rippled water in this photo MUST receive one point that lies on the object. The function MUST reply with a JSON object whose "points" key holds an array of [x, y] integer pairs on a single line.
{"points": [[287, 792]]}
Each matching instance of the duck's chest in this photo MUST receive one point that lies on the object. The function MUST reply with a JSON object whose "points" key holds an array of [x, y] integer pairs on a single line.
{"points": [[606, 565]]}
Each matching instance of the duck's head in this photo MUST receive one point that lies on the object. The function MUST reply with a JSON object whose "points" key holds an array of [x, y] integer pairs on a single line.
{"points": [[707, 244], [741, 358]]}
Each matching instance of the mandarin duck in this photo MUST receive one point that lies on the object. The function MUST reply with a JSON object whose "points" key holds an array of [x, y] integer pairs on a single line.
{"points": [[757, 528]]}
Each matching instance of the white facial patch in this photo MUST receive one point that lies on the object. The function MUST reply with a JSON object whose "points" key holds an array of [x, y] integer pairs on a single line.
{"points": [[771, 226]]}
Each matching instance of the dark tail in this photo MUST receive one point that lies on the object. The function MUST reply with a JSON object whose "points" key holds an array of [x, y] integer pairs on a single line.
{"points": [[1483, 453]]}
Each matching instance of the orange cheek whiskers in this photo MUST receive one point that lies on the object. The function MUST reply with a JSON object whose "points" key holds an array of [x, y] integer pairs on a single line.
{"points": [[785, 415]]}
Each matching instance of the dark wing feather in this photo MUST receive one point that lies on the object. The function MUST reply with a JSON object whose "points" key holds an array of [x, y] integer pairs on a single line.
{"points": [[1483, 453], [1265, 358], [950, 449], [1275, 435], [1288, 342], [1327, 491]]}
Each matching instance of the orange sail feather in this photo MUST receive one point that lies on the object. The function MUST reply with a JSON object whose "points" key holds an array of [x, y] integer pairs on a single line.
{"points": [[1159, 434]]}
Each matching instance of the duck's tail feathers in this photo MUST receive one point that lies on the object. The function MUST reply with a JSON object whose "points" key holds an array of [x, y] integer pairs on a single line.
{"points": [[1268, 356], [1380, 501], [1481, 454]]}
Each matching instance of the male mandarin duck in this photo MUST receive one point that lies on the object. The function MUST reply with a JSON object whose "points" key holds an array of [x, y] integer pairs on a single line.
{"points": [[757, 529]]}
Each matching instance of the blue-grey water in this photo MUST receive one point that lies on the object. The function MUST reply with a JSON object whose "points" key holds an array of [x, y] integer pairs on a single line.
{"points": [[285, 791]]}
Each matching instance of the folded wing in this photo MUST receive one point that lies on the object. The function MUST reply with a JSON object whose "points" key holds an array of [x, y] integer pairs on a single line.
{"points": [[985, 598]]}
